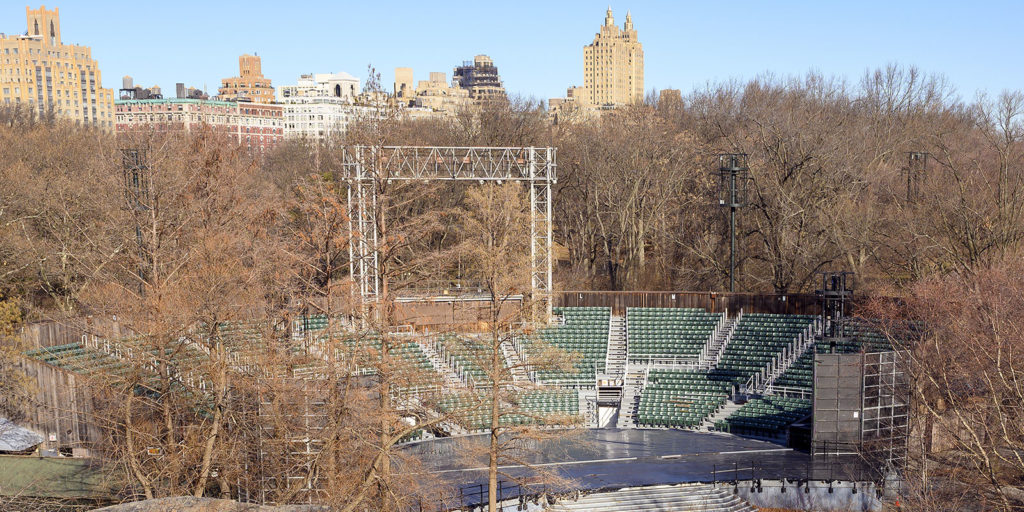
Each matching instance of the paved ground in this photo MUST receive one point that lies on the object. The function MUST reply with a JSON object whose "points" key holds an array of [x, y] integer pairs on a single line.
{"points": [[618, 458], [190, 504]]}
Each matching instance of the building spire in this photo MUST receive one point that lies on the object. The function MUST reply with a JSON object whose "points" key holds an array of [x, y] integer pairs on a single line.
{"points": [[608, 19], [629, 21]]}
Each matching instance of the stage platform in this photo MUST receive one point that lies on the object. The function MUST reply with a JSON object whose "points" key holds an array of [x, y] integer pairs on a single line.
{"points": [[612, 458]]}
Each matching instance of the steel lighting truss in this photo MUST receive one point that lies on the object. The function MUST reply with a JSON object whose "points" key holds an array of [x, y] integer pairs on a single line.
{"points": [[367, 166], [886, 406]]}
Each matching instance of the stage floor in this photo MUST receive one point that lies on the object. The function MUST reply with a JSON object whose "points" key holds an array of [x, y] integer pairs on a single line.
{"points": [[613, 458]]}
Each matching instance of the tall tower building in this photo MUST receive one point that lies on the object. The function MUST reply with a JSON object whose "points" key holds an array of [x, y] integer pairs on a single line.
{"points": [[481, 79], [250, 84], [403, 83], [39, 71], [613, 65]]}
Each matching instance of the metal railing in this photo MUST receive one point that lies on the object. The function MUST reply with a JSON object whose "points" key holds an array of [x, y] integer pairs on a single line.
{"points": [[759, 381], [710, 344], [728, 337]]}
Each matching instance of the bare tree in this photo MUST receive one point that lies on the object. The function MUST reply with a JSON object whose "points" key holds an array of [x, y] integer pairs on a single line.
{"points": [[965, 449], [495, 251]]}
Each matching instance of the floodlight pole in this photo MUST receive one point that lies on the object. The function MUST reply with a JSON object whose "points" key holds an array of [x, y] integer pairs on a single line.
{"points": [[733, 175], [135, 176], [917, 165], [732, 234]]}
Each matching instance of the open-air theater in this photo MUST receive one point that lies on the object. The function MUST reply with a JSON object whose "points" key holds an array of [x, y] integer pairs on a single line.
{"points": [[712, 398]]}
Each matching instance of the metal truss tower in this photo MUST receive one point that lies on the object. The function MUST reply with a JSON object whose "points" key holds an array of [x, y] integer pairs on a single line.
{"points": [[917, 168], [135, 173], [836, 295], [366, 167]]}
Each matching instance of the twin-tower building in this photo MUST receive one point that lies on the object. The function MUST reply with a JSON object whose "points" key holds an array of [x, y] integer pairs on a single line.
{"points": [[613, 65], [613, 73], [41, 73]]}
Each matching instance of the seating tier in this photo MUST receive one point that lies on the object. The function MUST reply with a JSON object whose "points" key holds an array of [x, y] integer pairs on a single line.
{"points": [[756, 340], [668, 332], [472, 411], [585, 332], [766, 416], [683, 399]]}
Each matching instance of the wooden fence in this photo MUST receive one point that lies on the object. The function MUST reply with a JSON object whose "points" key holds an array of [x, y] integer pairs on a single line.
{"points": [[804, 303], [63, 412]]}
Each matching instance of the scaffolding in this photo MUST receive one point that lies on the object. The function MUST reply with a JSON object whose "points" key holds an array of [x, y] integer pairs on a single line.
{"points": [[367, 167], [886, 410], [836, 296]]}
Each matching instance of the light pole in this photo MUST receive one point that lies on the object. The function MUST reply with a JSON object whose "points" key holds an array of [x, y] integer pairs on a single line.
{"points": [[135, 172], [733, 176], [917, 165]]}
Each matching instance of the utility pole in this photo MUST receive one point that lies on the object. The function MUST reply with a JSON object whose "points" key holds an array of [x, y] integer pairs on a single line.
{"points": [[733, 176]]}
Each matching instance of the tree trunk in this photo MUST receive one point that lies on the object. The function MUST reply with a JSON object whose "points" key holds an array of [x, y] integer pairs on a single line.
{"points": [[211, 440], [492, 452], [129, 440]]}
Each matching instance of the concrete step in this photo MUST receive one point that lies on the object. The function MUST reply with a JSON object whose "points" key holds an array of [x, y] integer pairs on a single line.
{"points": [[451, 379], [615, 360], [686, 497], [723, 413], [512, 360]]}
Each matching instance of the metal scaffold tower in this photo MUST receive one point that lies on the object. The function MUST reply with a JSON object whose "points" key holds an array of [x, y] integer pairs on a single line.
{"points": [[366, 167], [836, 296]]}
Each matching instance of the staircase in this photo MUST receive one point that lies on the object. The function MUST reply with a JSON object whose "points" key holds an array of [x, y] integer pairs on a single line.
{"points": [[760, 382], [723, 413], [588, 407], [709, 358], [615, 362], [515, 364], [451, 379], [659, 498], [633, 385], [804, 343]]}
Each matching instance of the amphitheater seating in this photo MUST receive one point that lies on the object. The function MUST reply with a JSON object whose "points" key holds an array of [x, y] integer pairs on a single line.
{"points": [[468, 356], [416, 371], [674, 398], [134, 362], [757, 339], [765, 416], [585, 333], [668, 332], [310, 323], [237, 336], [801, 373], [531, 407], [470, 410], [862, 337], [550, 401], [78, 359]]}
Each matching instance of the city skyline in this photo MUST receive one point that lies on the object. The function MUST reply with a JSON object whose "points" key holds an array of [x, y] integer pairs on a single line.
{"points": [[540, 53]]}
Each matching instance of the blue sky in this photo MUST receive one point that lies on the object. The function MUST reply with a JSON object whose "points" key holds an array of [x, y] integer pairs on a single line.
{"points": [[537, 45]]}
